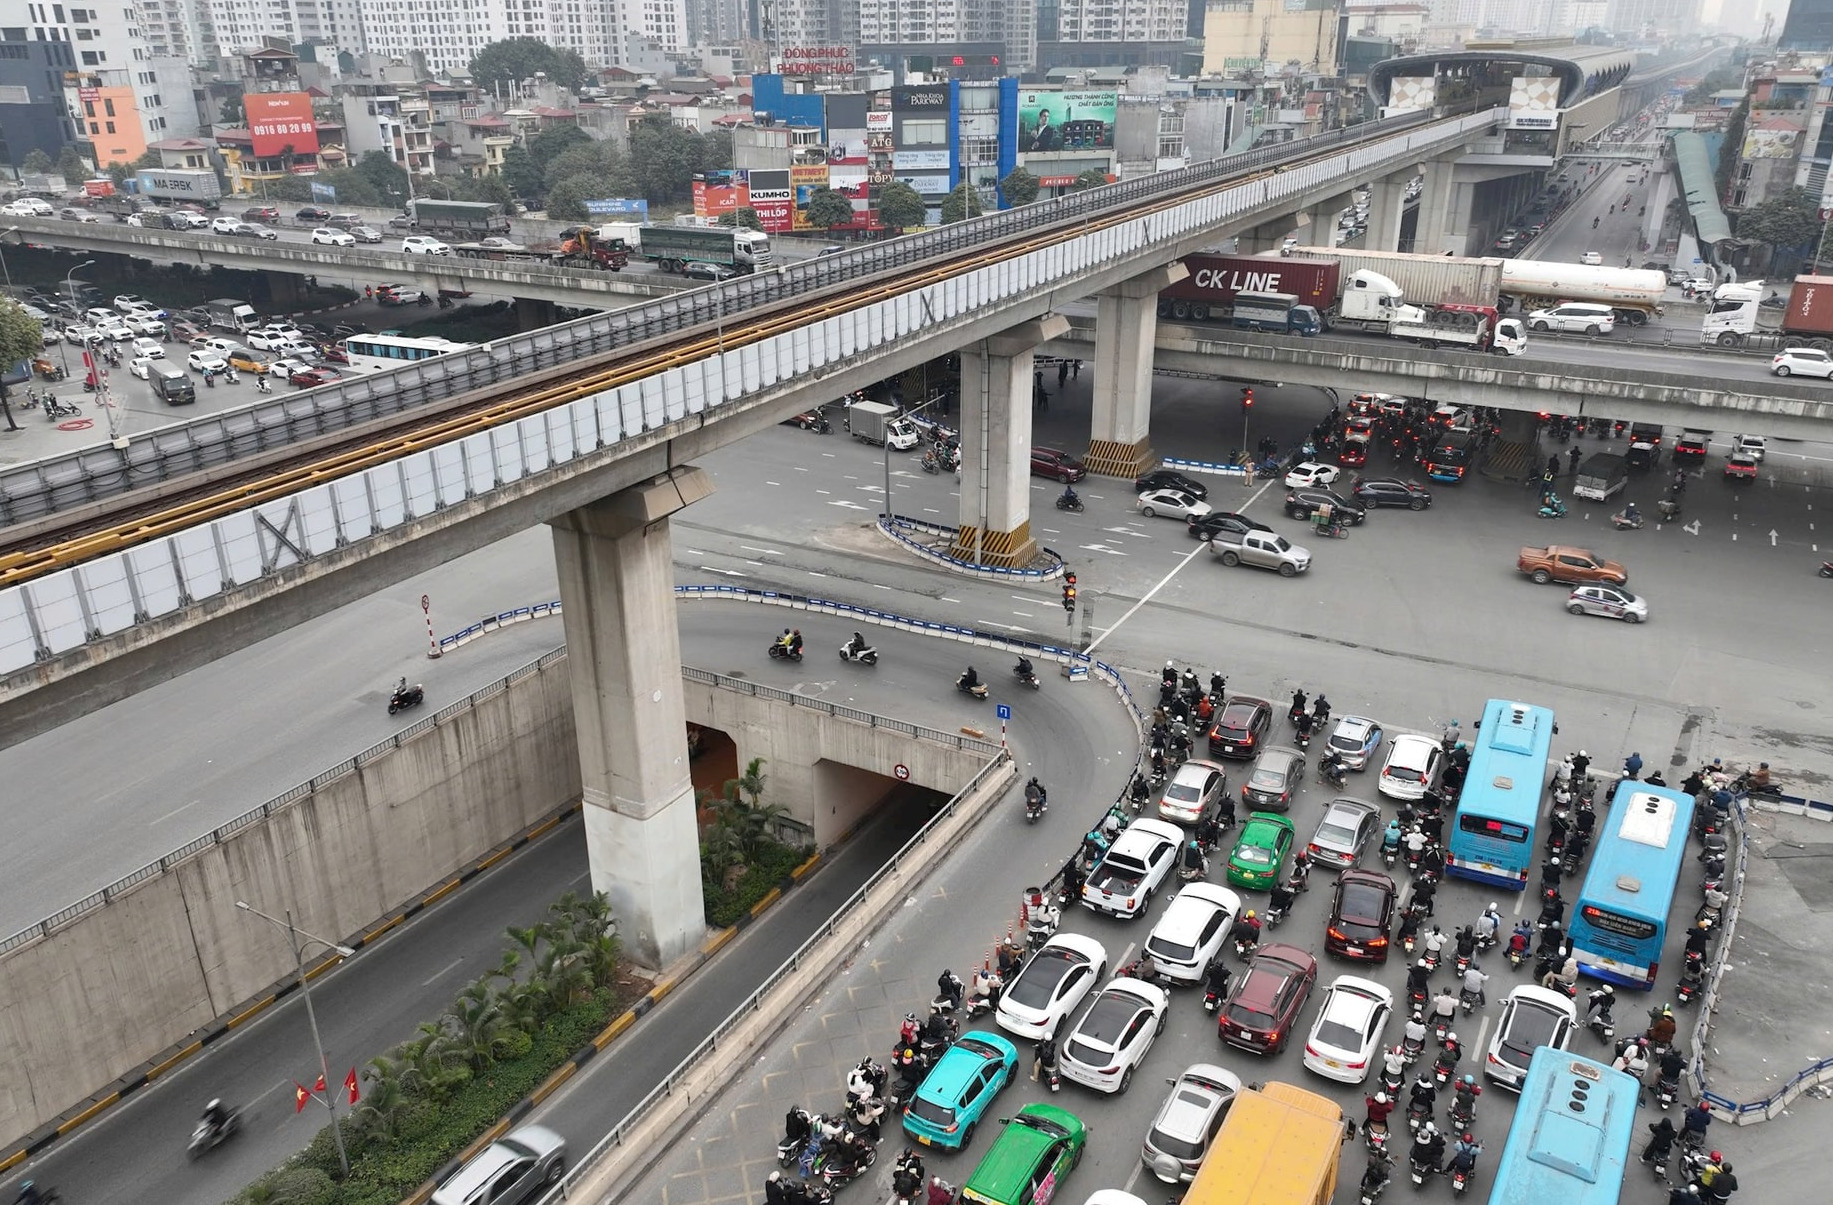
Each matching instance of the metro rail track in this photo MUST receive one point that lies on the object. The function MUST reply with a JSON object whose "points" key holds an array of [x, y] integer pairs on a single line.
{"points": [[209, 502]]}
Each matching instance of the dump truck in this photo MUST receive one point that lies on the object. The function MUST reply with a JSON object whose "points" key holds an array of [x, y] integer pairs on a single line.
{"points": [[476, 218], [672, 248], [1807, 317], [174, 186], [881, 425]]}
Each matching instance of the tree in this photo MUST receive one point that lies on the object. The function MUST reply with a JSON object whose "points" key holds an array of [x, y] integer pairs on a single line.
{"points": [[1019, 187], [1093, 177], [386, 179], [21, 339], [1789, 223], [665, 158], [70, 165], [745, 218], [521, 174], [961, 204], [718, 155], [827, 209], [543, 147], [37, 162], [508, 63], [900, 206], [483, 188], [566, 199]]}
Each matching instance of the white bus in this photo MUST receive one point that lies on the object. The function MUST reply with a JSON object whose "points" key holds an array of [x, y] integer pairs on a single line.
{"points": [[378, 353]]}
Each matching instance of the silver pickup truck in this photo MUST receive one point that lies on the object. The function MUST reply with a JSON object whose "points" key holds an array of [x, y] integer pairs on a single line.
{"points": [[1263, 549]]}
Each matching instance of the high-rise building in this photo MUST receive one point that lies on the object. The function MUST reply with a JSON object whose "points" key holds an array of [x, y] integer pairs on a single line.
{"points": [[991, 37], [1809, 26], [1114, 33], [238, 25], [1651, 18], [449, 33]]}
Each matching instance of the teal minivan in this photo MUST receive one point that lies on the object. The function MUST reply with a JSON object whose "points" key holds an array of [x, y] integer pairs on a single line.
{"points": [[1028, 1162], [948, 1105]]}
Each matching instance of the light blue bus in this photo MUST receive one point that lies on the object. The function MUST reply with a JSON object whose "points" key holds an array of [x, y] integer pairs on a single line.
{"points": [[1621, 917], [1492, 832], [1571, 1134]]}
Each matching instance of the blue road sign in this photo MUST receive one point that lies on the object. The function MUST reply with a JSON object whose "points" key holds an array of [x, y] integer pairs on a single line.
{"points": [[1005, 711]]}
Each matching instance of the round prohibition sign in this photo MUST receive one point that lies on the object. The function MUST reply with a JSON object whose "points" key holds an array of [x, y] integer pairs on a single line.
{"points": [[901, 772]]}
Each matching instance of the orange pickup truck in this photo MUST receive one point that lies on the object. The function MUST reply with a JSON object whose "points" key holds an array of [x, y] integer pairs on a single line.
{"points": [[1577, 566]]}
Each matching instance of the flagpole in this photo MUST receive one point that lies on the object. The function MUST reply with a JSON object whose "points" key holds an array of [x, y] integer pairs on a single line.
{"points": [[305, 989]]}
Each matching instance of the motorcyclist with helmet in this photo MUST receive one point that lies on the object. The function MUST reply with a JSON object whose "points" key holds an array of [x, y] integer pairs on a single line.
{"points": [[1247, 930], [1036, 797], [1428, 1150], [857, 645]]}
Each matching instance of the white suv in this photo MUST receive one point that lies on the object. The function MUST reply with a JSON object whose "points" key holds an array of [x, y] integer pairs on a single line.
{"points": [[1583, 316], [423, 244]]}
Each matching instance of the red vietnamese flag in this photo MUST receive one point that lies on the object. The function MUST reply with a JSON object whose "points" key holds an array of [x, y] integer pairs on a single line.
{"points": [[320, 1085], [350, 1085], [300, 1096]]}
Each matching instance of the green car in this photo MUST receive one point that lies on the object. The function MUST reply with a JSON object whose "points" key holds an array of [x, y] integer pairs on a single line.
{"points": [[1028, 1162], [1260, 852]]}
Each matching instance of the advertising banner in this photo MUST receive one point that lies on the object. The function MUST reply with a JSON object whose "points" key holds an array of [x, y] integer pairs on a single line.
{"points": [[1411, 92], [277, 120], [620, 206], [805, 180], [1533, 103], [1773, 139], [717, 193], [919, 161], [1065, 121], [926, 100], [878, 121], [772, 199], [929, 186], [817, 60], [324, 192]]}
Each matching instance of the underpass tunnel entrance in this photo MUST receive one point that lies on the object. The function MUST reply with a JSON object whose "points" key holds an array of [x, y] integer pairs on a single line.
{"points": [[846, 798], [712, 759]]}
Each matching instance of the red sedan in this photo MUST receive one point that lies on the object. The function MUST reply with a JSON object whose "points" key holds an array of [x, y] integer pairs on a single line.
{"points": [[306, 378]]}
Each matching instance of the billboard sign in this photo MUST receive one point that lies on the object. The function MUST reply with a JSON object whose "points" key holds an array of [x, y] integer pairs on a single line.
{"points": [[772, 199], [1533, 103], [1771, 140], [805, 180], [919, 161], [324, 192], [1411, 92], [1066, 121], [928, 186], [817, 60], [878, 121], [278, 120], [717, 194], [619, 206]]}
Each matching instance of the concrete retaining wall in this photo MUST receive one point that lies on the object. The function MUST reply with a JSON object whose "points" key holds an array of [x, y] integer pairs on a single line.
{"points": [[92, 1001], [828, 770]]}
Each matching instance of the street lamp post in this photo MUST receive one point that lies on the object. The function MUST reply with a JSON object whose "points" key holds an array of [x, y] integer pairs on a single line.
{"points": [[906, 414], [305, 988]]}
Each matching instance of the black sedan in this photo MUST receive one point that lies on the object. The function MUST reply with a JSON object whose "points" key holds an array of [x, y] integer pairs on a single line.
{"points": [[1206, 527], [1170, 479], [1301, 502], [1391, 491]]}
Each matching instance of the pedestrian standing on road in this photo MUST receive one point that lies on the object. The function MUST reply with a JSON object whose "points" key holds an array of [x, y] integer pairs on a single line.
{"points": [[1062, 373], [1552, 467], [1574, 456], [1077, 370]]}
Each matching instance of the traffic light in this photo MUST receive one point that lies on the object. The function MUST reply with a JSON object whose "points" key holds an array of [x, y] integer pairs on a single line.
{"points": [[1069, 594], [1247, 398]]}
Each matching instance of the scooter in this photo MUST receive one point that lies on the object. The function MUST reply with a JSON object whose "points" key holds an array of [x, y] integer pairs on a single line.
{"points": [[1602, 1027], [789, 1147], [979, 692], [1034, 807], [1665, 1092], [782, 652], [1826, 568], [406, 696], [1552, 508], [1421, 1169], [1624, 522], [865, 656], [1070, 502], [207, 1137], [1025, 674]]}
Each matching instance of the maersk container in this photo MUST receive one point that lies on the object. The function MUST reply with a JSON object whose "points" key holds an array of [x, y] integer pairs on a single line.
{"points": [[1810, 306], [1425, 280], [1214, 281]]}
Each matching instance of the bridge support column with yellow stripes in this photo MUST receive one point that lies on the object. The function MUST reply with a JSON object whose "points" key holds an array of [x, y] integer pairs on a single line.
{"points": [[624, 657], [1126, 328], [997, 383]]}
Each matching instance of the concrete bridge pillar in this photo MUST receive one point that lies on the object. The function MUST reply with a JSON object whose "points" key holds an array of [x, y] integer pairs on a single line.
{"points": [[1387, 200], [1126, 327], [283, 290], [998, 387], [617, 588], [1322, 230], [1270, 236], [1435, 210], [532, 313]]}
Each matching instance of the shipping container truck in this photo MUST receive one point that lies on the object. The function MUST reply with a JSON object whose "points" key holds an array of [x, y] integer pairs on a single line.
{"points": [[1208, 290], [675, 247], [161, 184], [1807, 318], [477, 218], [1501, 284], [1427, 280]]}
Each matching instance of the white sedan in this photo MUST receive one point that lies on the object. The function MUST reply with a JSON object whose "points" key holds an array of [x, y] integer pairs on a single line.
{"points": [[142, 366], [1050, 985], [146, 324], [149, 349], [1347, 1033], [1133, 868], [333, 238], [1192, 930], [1312, 475], [1175, 504], [283, 369], [1114, 1035]]}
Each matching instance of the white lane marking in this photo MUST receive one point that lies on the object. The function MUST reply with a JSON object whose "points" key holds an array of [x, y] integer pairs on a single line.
{"points": [[696, 552], [442, 972], [761, 551], [174, 812], [950, 600], [1175, 570], [1102, 548], [726, 572], [848, 503]]}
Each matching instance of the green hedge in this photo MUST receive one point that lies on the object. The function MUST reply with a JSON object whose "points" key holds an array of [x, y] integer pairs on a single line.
{"points": [[382, 1174], [769, 866]]}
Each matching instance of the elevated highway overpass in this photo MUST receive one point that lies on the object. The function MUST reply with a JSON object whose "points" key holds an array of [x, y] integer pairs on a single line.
{"points": [[563, 286], [1619, 382]]}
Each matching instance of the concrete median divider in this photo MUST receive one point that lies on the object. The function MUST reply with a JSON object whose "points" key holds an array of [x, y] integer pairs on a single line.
{"points": [[607, 1172]]}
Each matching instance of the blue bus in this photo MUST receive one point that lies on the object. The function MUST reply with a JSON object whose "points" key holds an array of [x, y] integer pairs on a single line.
{"points": [[1621, 917], [1492, 832], [1571, 1133]]}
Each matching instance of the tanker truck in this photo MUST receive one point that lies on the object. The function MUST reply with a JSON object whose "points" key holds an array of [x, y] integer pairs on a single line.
{"points": [[1486, 282]]}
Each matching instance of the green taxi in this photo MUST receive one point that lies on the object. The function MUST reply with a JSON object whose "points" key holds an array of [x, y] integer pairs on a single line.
{"points": [[1030, 1159], [1260, 852]]}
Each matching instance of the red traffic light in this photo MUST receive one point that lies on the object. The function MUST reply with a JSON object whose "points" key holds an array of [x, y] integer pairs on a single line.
{"points": [[1247, 397]]}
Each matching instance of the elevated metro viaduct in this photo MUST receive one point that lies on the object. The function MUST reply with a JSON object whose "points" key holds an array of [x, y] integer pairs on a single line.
{"points": [[602, 451]]}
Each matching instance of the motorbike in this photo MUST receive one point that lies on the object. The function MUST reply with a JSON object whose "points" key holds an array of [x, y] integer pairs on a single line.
{"points": [[865, 656], [1034, 807], [1625, 522], [1445, 1066], [406, 696], [1468, 1000], [1412, 1048], [1375, 1180], [1826, 568], [782, 652], [1602, 1027], [207, 1137], [789, 1147], [1026, 675], [1421, 1169], [978, 691], [1665, 1092], [930, 463], [1690, 985], [1071, 503], [1048, 1072], [1462, 963], [1669, 509], [1335, 774], [833, 1176], [55, 409], [1390, 854], [1460, 1179], [1552, 508]]}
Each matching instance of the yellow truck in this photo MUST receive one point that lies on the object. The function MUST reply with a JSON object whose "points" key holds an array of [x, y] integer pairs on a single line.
{"points": [[1279, 1145]]}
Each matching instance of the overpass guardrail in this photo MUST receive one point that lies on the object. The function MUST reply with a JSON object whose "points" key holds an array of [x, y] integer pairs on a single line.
{"points": [[81, 478]]}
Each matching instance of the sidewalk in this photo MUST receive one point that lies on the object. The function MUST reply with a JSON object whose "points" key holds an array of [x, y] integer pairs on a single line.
{"points": [[1775, 1018]]}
